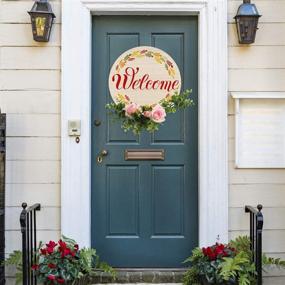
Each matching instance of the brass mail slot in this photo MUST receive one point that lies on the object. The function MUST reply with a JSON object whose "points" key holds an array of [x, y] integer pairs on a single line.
{"points": [[144, 154]]}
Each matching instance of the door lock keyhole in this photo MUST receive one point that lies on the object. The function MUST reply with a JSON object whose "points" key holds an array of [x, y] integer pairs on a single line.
{"points": [[101, 155]]}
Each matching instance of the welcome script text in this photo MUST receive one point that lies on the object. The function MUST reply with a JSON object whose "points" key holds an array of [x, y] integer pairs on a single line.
{"points": [[129, 80]]}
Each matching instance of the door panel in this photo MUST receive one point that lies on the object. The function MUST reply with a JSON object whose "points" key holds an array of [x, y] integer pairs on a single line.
{"points": [[167, 201], [122, 189], [144, 213]]}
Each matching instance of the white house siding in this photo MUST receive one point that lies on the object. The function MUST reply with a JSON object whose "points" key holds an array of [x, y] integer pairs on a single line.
{"points": [[30, 95], [258, 67]]}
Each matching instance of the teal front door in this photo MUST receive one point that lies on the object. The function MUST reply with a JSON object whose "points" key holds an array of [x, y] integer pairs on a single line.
{"points": [[144, 212]]}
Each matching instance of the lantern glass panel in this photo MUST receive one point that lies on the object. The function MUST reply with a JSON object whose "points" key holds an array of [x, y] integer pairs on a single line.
{"points": [[40, 23], [246, 27]]}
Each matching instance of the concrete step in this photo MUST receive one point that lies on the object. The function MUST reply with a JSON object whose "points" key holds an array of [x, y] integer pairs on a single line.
{"points": [[150, 275], [272, 276]]}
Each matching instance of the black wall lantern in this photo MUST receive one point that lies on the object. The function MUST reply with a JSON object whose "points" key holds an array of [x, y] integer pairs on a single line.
{"points": [[246, 21], [42, 20]]}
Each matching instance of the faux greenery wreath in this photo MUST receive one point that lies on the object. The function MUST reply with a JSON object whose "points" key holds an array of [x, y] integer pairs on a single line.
{"points": [[148, 117]]}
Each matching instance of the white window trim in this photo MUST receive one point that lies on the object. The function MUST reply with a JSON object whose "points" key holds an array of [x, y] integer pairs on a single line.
{"points": [[76, 102]]}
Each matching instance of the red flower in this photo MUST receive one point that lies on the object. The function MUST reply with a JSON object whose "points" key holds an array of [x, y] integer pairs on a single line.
{"points": [[49, 250], [219, 250], [209, 253], [62, 245], [65, 252], [76, 246], [51, 265], [51, 244], [35, 267], [43, 251], [60, 280], [51, 277]]}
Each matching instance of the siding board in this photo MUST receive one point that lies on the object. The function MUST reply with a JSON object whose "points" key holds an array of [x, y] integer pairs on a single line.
{"points": [[13, 238], [256, 176], [29, 80], [33, 148], [268, 34], [270, 195], [261, 57], [21, 35], [257, 79], [33, 172], [30, 102], [30, 58], [239, 220], [44, 217], [44, 193], [33, 125]]}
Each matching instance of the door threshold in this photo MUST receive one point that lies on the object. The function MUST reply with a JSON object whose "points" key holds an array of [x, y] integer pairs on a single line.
{"points": [[140, 275]]}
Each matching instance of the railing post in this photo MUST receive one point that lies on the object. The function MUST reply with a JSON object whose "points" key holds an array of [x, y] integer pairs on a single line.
{"points": [[2, 194], [256, 226], [29, 242], [23, 222], [259, 226]]}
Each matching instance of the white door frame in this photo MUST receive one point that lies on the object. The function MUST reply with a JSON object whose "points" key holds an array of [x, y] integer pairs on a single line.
{"points": [[76, 104]]}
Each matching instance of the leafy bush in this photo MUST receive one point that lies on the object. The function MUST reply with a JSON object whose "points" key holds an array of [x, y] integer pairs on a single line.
{"points": [[225, 264], [60, 263], [15, 259]]}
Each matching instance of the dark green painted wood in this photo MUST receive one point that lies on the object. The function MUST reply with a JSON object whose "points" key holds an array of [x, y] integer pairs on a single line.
{"points": [[145, 213]]}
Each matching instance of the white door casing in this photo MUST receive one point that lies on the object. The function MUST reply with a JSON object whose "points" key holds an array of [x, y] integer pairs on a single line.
{"points": [[76, 104]]}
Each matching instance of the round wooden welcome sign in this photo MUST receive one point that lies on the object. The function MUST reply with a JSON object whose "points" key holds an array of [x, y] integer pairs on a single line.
{"points": [[145, 75]]}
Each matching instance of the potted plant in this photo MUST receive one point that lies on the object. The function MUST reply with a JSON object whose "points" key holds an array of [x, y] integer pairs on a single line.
{"points": [[221, 264], [225, 264], [63, 262]]}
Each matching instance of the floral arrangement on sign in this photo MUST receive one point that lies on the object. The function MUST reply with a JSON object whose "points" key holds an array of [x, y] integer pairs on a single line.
{"points": [[148, 117], [131, 74], [63, 262], [225, 264]]}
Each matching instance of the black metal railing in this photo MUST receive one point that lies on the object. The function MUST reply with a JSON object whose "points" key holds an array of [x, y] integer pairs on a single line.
{"points": [[256, 225], [28, 223], [2, 194]]}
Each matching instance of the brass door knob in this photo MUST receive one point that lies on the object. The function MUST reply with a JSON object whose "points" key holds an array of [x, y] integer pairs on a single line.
{"points": [[104, 152]]}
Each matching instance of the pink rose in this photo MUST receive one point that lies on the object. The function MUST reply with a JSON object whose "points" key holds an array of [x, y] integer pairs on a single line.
{"points": [[158, 114], [147, 114], [130, 109]]}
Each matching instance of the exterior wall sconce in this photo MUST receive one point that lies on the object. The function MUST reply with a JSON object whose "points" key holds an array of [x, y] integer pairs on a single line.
{"points": [[42, 20], [246, 21]]}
